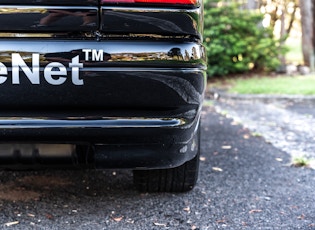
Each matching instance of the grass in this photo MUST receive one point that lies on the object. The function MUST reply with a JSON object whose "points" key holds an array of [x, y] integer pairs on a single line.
{"points": [[302, 161], [297, 85], [301, 85]]}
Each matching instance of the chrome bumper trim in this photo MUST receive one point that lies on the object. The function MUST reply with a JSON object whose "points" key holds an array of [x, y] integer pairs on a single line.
{"points": [[31, 123], [139, 53]]}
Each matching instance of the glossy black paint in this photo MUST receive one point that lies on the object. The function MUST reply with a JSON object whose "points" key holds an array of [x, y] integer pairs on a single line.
{"points": [[151, 21], [121, 80], [139, 107], [144, 144], [106, 89], [105, 20], [48, 18]]}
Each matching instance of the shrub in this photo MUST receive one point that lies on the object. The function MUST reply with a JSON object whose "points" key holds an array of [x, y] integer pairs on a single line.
{"points": [[236, 41]]}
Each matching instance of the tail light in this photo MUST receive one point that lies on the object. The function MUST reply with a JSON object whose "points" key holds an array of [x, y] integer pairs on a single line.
{"points": [[182, 2]]}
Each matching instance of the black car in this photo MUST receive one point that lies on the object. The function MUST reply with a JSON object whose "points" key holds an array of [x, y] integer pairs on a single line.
{"points": [[103, 84]]}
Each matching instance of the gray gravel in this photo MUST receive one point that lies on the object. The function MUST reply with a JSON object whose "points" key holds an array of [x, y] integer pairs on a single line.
{"points": [[288, 125], [245, 183]]}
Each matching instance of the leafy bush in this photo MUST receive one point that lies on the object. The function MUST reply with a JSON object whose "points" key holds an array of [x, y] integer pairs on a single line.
{"points": [[236, 41]]}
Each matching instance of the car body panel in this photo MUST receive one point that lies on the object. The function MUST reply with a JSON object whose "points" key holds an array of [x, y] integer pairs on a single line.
{"points": [[48, 18], [120, 84]]}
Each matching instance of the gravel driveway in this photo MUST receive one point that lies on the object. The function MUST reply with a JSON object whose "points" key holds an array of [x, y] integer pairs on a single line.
{"points": [[288, 125], [245, 183]]}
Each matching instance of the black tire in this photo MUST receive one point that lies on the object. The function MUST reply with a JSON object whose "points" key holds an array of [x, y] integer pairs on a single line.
{"points": [[180, 179]]}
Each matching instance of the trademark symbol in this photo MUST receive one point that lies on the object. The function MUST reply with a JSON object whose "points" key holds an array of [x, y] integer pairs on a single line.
{"points": [[93, 54]]}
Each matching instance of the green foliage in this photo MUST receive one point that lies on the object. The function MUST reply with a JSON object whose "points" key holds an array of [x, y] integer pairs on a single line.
{"points": [[236, 41], [301, 161]]}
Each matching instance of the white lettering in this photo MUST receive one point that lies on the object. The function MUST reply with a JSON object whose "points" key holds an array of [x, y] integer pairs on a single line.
{"points": [[97, 55], [3, 71], [55, 73], [87, 54], [75, 66], [49, 72], [18, 62]]}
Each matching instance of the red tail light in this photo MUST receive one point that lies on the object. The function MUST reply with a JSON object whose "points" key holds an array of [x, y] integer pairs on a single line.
{"points": [[183, 2]]}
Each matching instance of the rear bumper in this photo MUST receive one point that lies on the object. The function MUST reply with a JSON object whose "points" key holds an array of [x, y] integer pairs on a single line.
{"points": [[103, 143], [138, 107]]}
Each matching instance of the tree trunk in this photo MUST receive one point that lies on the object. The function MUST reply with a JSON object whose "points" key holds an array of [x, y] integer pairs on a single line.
{"points": [[306, 7], [283, 35]]}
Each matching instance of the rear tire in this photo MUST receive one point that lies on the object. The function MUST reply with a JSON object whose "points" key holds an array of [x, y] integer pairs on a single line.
{"points": [[180, 179]]}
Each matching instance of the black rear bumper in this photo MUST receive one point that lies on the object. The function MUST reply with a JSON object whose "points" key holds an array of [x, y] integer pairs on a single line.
{"points": [[136, 144], [138, 107]]}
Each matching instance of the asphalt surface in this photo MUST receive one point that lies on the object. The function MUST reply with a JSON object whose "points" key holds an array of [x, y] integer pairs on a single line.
{"points": [[245, 183]]}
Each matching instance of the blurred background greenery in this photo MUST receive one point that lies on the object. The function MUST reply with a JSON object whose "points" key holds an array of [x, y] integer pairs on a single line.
{"points": [[258, 36]]}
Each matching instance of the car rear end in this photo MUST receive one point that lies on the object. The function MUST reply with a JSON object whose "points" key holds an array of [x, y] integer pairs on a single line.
{"points": [[102, 84]]}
